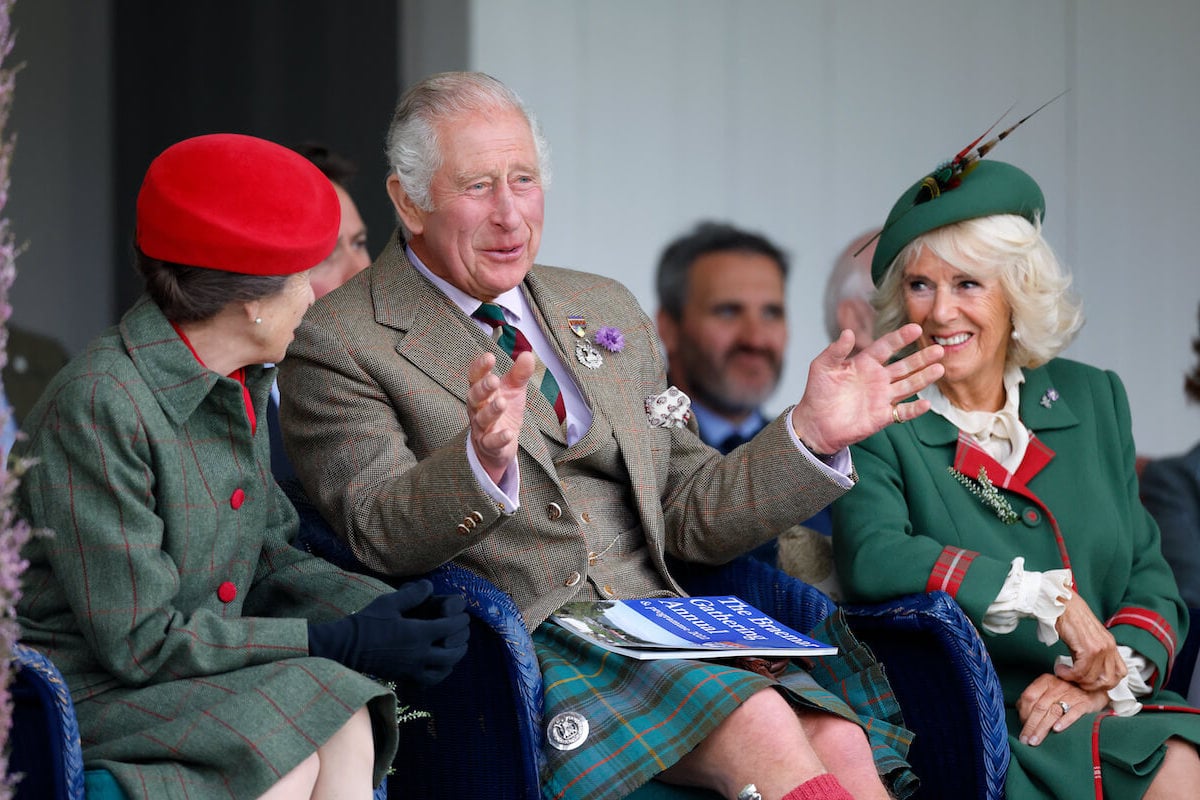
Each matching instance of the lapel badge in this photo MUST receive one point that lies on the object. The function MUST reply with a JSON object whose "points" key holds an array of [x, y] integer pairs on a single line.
{"points": [[670, 409], [1049, 397], [567, 730], [578, 326], [588, 356]]}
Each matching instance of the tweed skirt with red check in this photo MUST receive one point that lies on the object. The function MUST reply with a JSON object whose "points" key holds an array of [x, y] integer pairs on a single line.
{"points": [[229, 735], [643, 716]]}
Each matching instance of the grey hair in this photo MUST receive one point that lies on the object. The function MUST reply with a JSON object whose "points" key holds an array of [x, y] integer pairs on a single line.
{"points": [[850, 278], [1046, 315], [412, 145]]}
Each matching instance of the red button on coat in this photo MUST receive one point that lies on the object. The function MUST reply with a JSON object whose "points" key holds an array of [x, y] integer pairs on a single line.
{"points": [[226, 592], [236, 499]]}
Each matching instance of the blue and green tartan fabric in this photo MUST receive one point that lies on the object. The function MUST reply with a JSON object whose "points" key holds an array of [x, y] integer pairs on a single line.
{"points": [[646, 715]]}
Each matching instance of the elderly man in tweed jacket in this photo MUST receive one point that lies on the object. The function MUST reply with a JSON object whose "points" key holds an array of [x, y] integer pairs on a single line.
{"points": [[423, 441]]}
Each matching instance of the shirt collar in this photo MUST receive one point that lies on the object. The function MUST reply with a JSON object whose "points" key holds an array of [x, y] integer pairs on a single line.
{"points": [[715, 429], [512, 301]]}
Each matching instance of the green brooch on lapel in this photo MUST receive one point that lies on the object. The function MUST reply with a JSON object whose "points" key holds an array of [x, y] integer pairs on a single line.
{"points": [[988, 494]]}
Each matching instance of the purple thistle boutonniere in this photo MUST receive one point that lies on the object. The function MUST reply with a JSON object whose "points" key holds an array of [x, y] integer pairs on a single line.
{"points": [[611, 339]]}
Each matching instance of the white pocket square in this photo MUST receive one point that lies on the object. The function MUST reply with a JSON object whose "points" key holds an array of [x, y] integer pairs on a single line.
{"points": [[670, 409]]}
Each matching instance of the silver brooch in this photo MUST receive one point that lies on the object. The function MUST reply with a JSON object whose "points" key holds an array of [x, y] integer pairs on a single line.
{"points": [[588, 356], [1049, 397], [567, 730]]}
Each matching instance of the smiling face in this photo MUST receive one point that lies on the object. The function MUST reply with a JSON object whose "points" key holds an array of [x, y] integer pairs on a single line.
{"points": [[726, 348], [485, 226], [971, 319]]}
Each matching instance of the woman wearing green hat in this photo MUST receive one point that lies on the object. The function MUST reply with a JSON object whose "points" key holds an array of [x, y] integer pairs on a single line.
{"points": [[1017, 496]]}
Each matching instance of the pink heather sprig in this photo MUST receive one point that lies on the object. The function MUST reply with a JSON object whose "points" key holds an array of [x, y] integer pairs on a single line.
{"points": [[611, 339]]}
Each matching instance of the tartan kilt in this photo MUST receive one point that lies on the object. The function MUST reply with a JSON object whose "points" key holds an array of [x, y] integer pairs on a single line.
{"points": [[643, 716], [229, 735]]}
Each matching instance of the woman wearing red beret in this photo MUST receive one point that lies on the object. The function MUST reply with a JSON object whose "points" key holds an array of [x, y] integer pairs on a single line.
{"points": [[205, 655]]}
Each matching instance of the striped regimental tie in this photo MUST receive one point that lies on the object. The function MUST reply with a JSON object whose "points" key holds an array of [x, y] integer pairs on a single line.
{"points": [[513, 342]]}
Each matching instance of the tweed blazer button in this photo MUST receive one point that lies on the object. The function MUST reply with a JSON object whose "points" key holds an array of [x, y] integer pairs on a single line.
{"points": [[573, 579], [554, 511], [463, 529], [469, 522], [226, 592], [236, 499], [475, 515]]}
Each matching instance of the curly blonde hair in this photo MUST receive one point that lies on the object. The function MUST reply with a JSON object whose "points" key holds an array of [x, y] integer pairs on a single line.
{"points": [[1046, 315]]}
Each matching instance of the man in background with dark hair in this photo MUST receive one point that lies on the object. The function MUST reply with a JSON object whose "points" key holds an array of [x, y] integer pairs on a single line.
{"points": [[723, 322], [350, 256], [722, 318]]}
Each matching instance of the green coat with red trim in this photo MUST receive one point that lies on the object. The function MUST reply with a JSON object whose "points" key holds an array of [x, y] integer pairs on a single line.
{"points": [[910, 525]]}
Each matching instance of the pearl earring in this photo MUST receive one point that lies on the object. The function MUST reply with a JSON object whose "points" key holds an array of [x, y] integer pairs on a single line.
{"points": [[258, 320]]}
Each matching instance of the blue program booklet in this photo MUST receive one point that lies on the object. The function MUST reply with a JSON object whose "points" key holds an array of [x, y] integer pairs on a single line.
{"points": [[685, 627]]}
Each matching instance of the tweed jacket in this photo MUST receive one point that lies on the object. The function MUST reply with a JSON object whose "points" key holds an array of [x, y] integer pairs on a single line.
{"points": [[911, 526], [375, 421], [169, 592]]}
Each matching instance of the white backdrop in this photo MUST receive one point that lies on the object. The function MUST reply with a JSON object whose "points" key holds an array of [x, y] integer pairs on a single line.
{"points": [[805, 120]]}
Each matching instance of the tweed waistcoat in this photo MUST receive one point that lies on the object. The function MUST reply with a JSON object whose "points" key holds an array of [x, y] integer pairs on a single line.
{"points": [[595, 483]]}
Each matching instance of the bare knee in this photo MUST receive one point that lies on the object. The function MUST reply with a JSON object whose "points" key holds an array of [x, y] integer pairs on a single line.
{"points": [[299, 782], [355, 731], [761, 742], [1179, 774], [832, 733]]}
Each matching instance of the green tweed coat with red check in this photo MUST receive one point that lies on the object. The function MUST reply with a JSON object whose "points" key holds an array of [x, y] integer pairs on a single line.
{"points": [[169, 594], [911, 526]]}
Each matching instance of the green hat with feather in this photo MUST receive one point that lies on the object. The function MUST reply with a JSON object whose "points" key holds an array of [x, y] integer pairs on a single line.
{"points": [[982, 189]]}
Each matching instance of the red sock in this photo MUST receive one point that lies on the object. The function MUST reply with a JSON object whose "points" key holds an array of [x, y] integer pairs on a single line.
{"points": [[822, 787]]}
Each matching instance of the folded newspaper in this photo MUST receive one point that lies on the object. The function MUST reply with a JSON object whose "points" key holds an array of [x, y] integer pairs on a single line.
{"points": [[685, 627]]}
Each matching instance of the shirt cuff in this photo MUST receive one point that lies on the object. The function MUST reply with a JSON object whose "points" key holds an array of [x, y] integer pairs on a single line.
{"points": [[1123, 698], [506, 495], [1029, 594], [838, 468]]}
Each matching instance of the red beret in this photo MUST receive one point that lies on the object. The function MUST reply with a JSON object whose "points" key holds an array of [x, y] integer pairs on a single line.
{"points": [[237, 204]]}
